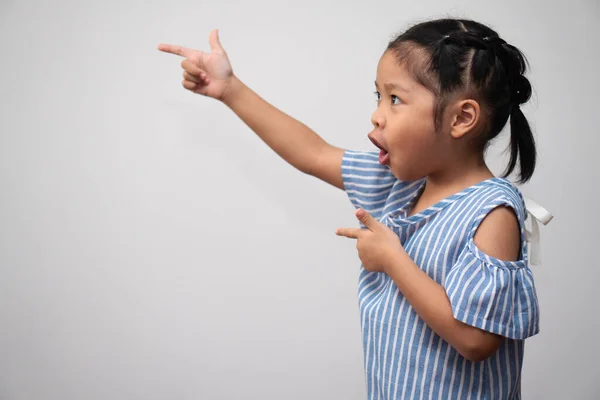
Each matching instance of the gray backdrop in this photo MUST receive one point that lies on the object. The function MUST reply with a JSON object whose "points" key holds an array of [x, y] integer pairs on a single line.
{"points": [[153, 248]]}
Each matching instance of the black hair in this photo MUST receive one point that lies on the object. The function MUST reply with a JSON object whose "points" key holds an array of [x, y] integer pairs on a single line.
{"points": [[457, 56]]}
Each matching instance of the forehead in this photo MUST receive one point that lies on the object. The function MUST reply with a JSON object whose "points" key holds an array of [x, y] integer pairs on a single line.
{"points": [[389, 70]]}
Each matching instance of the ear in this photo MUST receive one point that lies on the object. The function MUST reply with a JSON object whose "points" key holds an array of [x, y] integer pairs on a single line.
{"points": [[464, 118]]}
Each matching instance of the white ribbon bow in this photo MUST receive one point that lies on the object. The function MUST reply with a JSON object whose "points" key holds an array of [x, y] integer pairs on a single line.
{"points": [[532, 236]]}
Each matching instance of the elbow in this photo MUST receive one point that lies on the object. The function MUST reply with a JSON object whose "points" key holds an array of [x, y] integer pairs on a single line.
{"points": [[476, 355], [481, 349]]}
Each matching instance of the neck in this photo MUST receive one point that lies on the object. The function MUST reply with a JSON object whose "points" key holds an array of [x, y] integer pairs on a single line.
{"points": [[453, 178]]}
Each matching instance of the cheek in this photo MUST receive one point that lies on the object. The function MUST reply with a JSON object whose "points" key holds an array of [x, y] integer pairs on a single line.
{"points": [[413, 141], [413, 154]]}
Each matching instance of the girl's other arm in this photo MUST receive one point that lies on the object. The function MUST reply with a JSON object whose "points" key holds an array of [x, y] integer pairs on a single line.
{"points": [[211, 75]]}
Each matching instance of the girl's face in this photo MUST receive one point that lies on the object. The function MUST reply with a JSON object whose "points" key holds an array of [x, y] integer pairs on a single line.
{"points": [[403, 123]]}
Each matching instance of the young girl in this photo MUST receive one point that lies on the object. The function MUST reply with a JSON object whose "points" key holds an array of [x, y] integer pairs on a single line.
{"points": [[446, 294]]}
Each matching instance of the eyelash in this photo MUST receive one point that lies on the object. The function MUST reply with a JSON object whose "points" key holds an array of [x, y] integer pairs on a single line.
{"points": [[378, 97]]}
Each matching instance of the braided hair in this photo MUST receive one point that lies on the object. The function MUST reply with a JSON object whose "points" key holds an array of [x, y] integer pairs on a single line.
{"points": [[451, 56]]}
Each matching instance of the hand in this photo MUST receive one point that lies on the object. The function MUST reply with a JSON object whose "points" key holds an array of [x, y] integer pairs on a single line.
{"points": [[208, 74], [377, 245]]}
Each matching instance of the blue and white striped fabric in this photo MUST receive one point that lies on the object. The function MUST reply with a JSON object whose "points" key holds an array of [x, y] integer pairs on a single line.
{"points": [[404, 358]]}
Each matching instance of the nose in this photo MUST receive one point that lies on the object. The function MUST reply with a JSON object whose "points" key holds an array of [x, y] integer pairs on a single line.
{"points": [[377, 119]]}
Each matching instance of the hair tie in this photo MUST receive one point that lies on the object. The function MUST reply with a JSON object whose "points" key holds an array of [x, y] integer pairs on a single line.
{"points": [[448, 39], [494, 41], [521, 90]]}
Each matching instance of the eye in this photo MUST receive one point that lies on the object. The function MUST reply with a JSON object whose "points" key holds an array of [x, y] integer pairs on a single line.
{"points": [[377, 96], [396, 100]]}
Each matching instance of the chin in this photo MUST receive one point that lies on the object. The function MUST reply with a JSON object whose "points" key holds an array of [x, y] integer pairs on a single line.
{"points": [[404, 174]]}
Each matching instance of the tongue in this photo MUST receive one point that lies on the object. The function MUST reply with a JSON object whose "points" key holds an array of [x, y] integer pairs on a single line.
{"points": [[383, 157]]}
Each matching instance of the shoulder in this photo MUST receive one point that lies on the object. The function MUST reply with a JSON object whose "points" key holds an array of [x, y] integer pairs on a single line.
{"points": [[359, 158], [360, 167], [499, 233]]}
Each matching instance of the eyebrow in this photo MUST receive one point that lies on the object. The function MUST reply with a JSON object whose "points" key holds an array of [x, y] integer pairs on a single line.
{"points": [[391, 86]]}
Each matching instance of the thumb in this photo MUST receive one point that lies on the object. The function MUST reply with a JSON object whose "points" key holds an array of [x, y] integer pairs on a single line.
{"points": [[366, 219], [215, 44]]}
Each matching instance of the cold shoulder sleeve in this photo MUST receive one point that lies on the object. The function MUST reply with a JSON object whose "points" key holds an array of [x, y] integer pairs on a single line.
{"points": [[494, 295]]}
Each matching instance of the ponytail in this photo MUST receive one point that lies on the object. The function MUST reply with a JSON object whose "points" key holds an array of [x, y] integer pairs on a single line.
{"points": [[522, 142]]}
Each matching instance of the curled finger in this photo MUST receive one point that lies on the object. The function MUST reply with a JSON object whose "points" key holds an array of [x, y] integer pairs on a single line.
{"points": [[191, 67], [189, 85], [192, 78]]}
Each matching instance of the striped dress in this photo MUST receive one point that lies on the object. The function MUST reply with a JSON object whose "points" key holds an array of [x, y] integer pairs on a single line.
{"points": [[403, 357]]}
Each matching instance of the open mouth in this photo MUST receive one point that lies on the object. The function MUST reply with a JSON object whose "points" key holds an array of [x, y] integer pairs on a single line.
{"points": [[384, 156]]}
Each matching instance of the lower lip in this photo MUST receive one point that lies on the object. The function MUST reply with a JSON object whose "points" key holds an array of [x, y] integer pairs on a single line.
{"points": [[384, 157]]}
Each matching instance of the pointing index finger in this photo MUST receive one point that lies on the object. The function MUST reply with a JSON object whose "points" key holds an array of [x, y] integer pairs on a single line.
{"points": [[351, 233], [177, 50]]}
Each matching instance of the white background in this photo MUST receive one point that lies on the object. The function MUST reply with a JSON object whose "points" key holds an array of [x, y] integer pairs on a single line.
{"points": [[153, 248]]}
